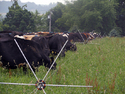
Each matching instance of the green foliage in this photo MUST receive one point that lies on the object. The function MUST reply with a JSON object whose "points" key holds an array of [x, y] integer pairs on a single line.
{"points": [[39, 21], [121, 15], [115, 32], [99, 63], [92, 20], [1, 25], [74, 29], [89, 15], [57, 24], [18, 19]]}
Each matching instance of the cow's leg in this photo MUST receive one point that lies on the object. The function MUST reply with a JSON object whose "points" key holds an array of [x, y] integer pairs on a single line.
{"points": [[33, 68], [51, 62], [25, 69], [10, 73], [63, 51]]}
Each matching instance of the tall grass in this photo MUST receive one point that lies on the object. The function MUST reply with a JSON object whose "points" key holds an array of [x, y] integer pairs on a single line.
{"points": [[100, 63]]}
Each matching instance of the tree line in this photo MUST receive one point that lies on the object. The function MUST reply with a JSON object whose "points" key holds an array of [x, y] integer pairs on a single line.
{"points": [[102, 16]]}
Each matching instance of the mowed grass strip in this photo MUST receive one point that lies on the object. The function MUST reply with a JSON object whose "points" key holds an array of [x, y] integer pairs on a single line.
{"points": [[99, 63]]}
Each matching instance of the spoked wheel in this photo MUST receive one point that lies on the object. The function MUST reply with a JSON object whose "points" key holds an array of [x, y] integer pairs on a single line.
{"points": [[40, 85]]}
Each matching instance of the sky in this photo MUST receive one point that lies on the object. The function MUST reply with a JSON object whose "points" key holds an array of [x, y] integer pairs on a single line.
{"points": [[43, 2]]}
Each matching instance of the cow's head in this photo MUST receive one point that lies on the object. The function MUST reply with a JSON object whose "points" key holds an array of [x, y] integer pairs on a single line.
{"points": [[73, 47], [48, 63]]}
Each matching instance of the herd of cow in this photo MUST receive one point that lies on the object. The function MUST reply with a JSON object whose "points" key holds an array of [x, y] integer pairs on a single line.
{"points": [[39, 48]]}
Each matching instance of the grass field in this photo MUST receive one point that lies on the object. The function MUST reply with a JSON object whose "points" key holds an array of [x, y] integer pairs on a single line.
{"points": [[99, 63]]}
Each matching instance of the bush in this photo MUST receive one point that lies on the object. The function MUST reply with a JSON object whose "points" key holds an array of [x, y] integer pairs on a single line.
{"points": [[115, 32]]}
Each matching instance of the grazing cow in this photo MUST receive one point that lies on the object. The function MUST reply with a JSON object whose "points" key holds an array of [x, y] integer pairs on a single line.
{"points": [[75, 37], [43, 42], [57, 41], [95, 35], [87, 37], [12, 58], [69, 45]]}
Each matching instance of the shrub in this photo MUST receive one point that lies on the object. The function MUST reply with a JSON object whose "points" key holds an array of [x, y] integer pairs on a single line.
{"points": [[115, 32]]}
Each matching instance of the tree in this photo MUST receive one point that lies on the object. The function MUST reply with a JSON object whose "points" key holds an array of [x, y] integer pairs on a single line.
{"points": [[115, 32], [19, 19], [120, 22], [1, 25], [57, 14], [88, 15], [56, 25], [40, 21]]}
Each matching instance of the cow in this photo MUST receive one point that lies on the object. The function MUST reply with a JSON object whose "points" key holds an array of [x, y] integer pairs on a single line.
{"points": [[69, 45], [43, 42], [87, 37], [12, 58], [95, 35], [75, 37], [56, 43]]}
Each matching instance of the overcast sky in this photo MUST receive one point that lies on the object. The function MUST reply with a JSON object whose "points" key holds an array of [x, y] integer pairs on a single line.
{"points": [[43, 2]]}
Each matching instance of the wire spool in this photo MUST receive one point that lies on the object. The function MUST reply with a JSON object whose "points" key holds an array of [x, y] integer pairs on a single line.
{"points": [[40, 84]]}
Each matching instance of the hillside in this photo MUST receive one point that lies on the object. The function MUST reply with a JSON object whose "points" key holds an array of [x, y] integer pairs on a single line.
{"points": [[30, 6]]}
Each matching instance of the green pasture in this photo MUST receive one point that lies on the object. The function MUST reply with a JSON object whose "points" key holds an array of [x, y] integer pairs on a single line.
{"points": [[99, 63]]}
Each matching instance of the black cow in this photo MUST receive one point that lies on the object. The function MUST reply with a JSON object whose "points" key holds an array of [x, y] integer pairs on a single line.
{"points": [[43, 42], [69, 45], [12, 58], [56, 43], [75, 37]]}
